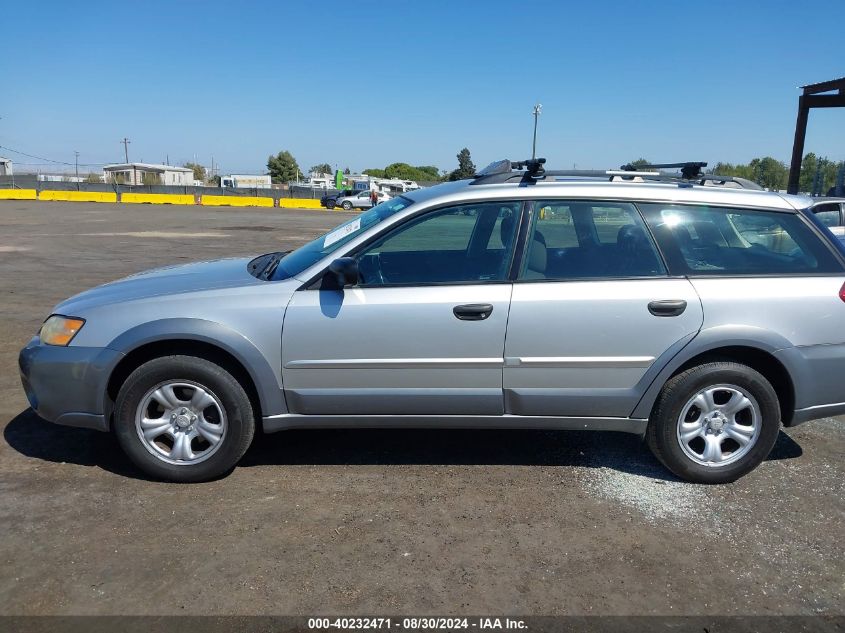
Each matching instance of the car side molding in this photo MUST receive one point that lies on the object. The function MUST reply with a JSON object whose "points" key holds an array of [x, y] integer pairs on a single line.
{"points": [[286, 421]]}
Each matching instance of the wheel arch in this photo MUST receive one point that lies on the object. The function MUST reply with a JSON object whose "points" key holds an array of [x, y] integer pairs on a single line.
{"points": [[757, 352], [205, 339]]}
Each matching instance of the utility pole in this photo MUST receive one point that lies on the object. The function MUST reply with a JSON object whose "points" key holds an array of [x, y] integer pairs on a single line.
{"points": [[126, 142], [76, 163], [536, 113]]}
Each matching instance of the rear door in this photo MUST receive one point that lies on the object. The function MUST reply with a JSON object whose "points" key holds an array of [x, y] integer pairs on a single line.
{"points": [[769, 272], [592, 311], [423, 331]]}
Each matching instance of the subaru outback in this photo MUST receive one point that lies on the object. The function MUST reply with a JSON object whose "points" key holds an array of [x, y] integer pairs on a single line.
{"points": [[700, 318]]}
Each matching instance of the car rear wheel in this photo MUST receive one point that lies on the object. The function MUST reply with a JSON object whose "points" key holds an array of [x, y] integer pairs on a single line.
{"points": [[183, 418], [346, 205], [715, 422]]}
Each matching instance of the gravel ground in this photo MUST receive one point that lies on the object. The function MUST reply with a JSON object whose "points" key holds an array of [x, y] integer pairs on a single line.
{"points": [[389, 522]]}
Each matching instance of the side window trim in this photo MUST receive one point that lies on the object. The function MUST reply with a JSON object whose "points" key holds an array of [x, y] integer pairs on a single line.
{"points": [[520, 251]]}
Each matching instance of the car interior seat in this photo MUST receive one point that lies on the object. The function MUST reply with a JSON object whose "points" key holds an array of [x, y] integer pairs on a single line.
{"points": [[537, 257], [636, 256]]}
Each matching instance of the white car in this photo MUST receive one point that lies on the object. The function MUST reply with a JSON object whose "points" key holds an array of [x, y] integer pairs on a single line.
{"points": [[360, 200]]}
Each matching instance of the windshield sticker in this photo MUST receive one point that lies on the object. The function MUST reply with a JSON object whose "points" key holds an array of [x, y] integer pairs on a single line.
{"points": [[339, 234]]}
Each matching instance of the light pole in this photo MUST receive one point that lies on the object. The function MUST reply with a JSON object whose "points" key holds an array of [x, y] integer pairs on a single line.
{"points": [[536, 113]]}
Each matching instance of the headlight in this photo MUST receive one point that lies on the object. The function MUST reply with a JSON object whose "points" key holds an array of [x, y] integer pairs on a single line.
{"points": [[60, 330]]}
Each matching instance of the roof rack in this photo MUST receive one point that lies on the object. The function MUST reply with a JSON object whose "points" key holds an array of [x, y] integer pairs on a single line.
{"points": [[690, 170], [533, 170]]}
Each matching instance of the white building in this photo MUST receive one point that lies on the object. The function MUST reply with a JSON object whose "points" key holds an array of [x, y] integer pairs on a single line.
{"points": [[146, 174], [5, 166]]}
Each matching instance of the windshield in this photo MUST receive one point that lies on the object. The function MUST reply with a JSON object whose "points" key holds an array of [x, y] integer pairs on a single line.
{"points": [[294, 263]]}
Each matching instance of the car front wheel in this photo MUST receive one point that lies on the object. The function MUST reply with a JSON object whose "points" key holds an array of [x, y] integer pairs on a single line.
{"points": [[346, 205], [183, 418], [714, 423]]}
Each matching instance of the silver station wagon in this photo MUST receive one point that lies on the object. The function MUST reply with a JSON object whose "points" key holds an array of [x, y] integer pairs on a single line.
{"points": [[699, 317]]}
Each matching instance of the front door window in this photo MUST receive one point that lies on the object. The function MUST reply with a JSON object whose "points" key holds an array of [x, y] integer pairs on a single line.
{"points": [[464, 244]]}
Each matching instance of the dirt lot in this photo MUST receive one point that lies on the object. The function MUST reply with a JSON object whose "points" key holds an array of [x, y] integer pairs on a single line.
{"points": [[380, 522]]}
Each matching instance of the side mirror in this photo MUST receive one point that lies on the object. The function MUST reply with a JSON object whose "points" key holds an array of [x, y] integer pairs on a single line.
{"points": [[345, 271]]}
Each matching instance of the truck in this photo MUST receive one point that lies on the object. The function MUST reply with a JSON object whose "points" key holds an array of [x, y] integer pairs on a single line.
{"points": [[242, 181]]}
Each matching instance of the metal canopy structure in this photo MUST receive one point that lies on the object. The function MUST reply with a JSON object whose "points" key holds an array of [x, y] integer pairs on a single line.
{"points": [[827, 94]]}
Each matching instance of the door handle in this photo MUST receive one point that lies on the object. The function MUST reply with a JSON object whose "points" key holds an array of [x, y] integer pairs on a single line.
{"points": [[473, 311], [667, 307]]}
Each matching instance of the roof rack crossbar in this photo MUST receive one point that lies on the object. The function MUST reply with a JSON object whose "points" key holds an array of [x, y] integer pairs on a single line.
{"points": [[689, 170]]}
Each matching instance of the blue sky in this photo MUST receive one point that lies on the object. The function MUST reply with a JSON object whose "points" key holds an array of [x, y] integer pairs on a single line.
{"points": [[363, 84]]}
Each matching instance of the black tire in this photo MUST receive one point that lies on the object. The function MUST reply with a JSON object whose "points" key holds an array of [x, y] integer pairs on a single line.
{"points": [[346, 205], [330, 205], [240, 418], [662, 433]]}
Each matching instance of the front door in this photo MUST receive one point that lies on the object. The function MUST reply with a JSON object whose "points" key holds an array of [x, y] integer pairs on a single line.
{"points": [[423, 331], [592, 311]]}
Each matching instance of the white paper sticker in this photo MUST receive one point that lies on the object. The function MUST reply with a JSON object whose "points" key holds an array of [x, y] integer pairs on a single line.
{"points": [[339, 234]]}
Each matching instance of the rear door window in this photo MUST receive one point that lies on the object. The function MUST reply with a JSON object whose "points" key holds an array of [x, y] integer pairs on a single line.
{"points": [[589, 240], [703, 240]]}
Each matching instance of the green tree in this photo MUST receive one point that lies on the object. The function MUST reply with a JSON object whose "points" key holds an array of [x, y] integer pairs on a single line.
{"points": [[399, 170], [283, 167], [92, 177], [404, 171], [723, 169], [639, 163], [735, 171], [322, 168], [347, 171], [428, 172], [769, 172], [466, 168], [809, 164], [199, 170], [830, 169]]}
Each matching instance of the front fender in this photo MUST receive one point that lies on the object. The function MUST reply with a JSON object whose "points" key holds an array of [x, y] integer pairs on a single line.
{"points": [[267, 381]]}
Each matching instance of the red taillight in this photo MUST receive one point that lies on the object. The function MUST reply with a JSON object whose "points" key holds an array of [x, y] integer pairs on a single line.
{"points": [[842, 292]]}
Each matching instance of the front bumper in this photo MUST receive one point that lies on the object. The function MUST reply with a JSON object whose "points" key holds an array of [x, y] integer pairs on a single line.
{"points": [[67, 385]]}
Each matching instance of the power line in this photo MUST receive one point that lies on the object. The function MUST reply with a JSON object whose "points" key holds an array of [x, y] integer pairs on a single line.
{"points": [[47, 160]]}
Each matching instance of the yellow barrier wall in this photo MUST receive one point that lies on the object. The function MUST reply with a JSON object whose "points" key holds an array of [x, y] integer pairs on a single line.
{"points": [[18, 194], [236, 201], [78, 196], [300, 203], [156, 198]]}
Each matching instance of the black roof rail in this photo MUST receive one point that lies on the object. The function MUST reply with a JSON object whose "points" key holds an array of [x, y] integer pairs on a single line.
{"points": [[533, 170]]}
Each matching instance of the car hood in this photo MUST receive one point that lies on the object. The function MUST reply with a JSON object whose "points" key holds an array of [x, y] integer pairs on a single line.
{"points": [[221, 273]]}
